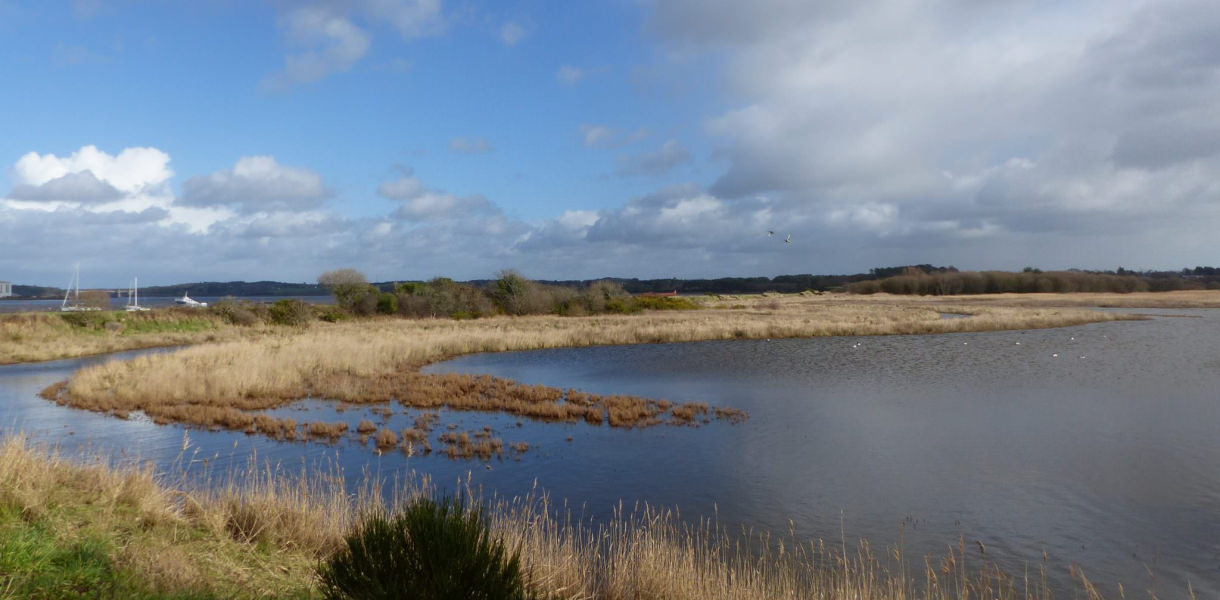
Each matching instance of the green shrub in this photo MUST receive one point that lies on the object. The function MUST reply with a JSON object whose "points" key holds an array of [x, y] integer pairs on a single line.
{"points": [[333, 314], [290, 312], [663, 303], [432, 550], [245, 313], [387, 303]]}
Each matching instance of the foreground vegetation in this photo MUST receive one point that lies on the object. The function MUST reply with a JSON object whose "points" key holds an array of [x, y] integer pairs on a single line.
{"points": [[88, 530]]}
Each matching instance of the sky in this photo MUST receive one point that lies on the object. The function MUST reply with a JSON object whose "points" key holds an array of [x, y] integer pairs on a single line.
{"points": [[221, 140]]}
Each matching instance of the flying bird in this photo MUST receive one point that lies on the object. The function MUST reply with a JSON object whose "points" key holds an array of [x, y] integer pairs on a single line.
{"points": [[788, 240], [770, 233]]}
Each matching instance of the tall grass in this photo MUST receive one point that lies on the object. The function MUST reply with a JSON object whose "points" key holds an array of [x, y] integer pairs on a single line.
{"points": [[260, 532]]}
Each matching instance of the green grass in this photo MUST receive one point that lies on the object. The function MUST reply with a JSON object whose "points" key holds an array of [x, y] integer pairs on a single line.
{"points": [[128, 324], [36, 563]]}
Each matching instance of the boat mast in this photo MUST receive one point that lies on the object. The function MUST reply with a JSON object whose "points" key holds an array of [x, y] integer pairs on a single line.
{"points": [[74, 281]]}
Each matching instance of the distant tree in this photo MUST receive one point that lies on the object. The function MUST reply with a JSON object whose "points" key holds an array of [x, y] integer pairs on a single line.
{"points": [[351, 290]]}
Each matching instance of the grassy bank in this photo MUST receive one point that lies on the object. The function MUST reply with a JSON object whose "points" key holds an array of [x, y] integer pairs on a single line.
{"points": [[71, 529], [32, 337]]}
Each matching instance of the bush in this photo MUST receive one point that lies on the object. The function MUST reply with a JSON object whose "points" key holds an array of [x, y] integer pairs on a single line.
{"points": [[333, 314], [240, 312], [387, 304], [663, 303], [442, 297], [290, 312], [431, 550]]}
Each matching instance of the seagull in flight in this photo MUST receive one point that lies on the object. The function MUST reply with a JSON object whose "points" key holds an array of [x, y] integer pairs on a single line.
{"points": [[770, 233], [788, 240]]}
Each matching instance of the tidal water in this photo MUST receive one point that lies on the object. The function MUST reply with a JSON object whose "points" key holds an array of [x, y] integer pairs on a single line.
{"points": [[118, 302], [1098, 444]]}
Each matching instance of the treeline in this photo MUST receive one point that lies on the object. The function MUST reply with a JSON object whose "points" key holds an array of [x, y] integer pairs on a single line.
{"points": [[510, 294], [916, 281], [1030, 279]]}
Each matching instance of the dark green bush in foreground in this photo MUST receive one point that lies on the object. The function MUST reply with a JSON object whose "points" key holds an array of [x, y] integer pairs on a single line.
{"points": [[432, 550]]}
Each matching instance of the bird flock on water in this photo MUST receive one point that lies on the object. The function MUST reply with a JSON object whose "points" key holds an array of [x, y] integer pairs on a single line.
{"points": [[859, 344]]}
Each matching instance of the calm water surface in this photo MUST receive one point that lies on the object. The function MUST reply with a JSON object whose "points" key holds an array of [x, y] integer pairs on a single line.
{"points": [[118, 302], [1106, 455]]}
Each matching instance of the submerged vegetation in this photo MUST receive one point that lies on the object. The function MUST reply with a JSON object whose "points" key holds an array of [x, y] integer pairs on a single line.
{"points": [[89, 529]]}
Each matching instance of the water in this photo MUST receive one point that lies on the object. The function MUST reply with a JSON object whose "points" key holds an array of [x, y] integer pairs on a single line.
{"points": [[118, 302], [1105, 456]]}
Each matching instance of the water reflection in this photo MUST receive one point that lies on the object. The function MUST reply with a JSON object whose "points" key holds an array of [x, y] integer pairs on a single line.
{"points": [[1095, 443]]}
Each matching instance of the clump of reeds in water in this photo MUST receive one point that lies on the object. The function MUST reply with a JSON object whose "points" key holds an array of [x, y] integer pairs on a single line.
{"points": [[413, 390]]}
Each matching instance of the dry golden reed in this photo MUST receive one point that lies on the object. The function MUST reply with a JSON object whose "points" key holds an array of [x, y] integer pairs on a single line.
{"points": [[261, 531]]}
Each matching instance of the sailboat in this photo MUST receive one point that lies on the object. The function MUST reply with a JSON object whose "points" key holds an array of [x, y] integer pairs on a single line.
{"points": [[186, 300], [73, 293], [133, 297]]}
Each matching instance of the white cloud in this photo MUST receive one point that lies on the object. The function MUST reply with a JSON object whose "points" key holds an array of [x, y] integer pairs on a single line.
{"points": [[328, 40], [569, 75], [512, 32], [133, 169], [256, 184], [133, 180], [418, 204]]}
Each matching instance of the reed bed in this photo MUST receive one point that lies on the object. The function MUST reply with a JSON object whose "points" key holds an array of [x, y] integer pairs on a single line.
{"points": [[260, 531]]}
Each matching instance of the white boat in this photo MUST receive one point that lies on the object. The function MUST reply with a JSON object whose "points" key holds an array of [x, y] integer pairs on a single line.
{"points": [[73, 294], [186, 300], [133, 297]]}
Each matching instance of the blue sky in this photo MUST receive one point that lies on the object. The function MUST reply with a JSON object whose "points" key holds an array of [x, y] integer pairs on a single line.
{"points": [[226, 140]]}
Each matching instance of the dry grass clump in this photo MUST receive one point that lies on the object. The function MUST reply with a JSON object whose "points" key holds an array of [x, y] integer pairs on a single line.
{"points": [[688, 413], [250, 536], [280, 429], [331, 431], [464, 445], [365, 426], [386, 439]]}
